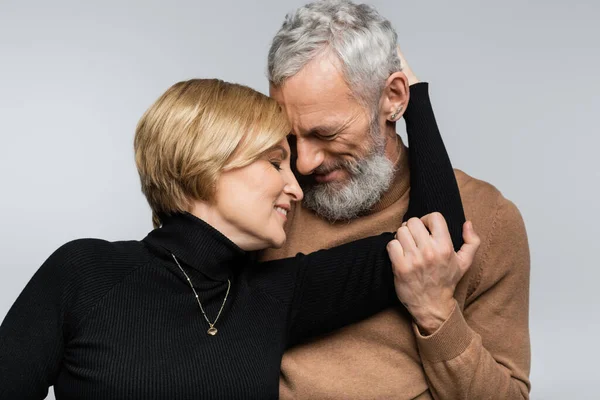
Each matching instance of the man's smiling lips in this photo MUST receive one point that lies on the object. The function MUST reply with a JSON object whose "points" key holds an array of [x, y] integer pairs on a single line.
{"points": [[331, 176]]}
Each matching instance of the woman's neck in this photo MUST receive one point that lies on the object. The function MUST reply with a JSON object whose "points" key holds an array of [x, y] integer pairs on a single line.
{"points": [[214, 218]]}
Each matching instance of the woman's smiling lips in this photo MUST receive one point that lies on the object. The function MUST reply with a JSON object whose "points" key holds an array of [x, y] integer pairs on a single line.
{"points": [[282, 209]]}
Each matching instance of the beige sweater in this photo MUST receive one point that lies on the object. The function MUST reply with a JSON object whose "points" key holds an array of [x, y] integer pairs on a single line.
{"points": [[481, 352]]}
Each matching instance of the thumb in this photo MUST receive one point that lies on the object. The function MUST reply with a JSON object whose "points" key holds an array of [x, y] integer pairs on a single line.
{"points": [[466, 254]]}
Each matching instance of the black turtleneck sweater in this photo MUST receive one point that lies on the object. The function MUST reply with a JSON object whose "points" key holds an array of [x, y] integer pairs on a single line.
{"points": [[103, 320], [118, 320]]}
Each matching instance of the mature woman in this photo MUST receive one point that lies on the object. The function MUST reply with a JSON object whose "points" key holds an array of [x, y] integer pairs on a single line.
{"points": [[187, 313]]}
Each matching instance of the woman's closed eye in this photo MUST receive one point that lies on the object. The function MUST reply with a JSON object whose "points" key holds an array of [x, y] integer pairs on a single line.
{"points": [[276, 164]]}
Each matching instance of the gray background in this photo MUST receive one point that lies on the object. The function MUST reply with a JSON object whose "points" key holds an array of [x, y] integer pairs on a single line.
{"points": [[514, 85]]}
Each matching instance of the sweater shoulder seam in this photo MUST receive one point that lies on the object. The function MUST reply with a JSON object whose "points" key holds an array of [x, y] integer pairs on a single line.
{"points": [[476, 279], [110, 290]]}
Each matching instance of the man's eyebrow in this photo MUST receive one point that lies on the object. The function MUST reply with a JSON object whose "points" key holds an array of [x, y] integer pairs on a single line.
{"points": [[330, 130]]}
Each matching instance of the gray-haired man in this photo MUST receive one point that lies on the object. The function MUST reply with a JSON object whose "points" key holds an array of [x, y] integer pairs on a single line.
{"points": [[333, 67]]}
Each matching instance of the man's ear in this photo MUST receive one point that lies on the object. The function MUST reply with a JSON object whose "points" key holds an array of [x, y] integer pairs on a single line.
{"points": [[395, 96]]}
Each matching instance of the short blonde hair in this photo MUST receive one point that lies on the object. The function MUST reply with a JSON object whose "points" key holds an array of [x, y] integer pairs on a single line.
{"points": [[196, 130]]}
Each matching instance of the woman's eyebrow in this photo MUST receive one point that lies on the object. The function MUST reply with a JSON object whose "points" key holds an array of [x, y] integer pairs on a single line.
{"points": [[282, 149]]}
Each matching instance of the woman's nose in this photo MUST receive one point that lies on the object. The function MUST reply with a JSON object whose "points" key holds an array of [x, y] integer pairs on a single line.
{"points": [[292, 188]]}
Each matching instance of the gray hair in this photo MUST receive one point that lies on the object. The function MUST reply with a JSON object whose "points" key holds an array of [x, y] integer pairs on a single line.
{"points": [[357, 34]]}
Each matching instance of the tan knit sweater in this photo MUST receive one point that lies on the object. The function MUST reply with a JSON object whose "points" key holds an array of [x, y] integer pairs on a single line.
{"points": [[481, 352]]}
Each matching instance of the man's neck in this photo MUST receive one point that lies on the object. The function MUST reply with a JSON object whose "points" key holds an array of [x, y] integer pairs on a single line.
{"points": [[392, 145]]}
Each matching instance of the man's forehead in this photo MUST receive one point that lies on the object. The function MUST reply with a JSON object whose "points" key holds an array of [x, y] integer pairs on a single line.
{"points": [[317, 98], [322, 113], [320, 81]]}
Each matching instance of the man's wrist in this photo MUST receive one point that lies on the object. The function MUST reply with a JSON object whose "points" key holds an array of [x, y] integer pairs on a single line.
{"points": [[430, 321], [449, 341]]}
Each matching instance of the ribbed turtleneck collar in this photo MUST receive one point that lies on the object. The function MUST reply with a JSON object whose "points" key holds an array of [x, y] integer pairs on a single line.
{"points": [[198, 245]]}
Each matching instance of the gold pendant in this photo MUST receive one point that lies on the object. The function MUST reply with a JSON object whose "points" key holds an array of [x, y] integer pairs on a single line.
{"points": [[212, 331]]}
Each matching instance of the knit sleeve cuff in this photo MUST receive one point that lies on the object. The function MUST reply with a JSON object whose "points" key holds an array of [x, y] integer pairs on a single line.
{"points": [[419, 94], [450, 340]]}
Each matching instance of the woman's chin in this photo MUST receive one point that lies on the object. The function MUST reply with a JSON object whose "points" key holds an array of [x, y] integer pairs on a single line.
{"points": [[277, 243]]}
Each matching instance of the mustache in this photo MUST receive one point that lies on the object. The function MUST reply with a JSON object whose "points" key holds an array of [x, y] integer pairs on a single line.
{"points": [[341, 164], [308, 182]]}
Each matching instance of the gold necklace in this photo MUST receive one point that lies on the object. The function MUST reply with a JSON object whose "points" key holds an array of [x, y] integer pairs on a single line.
{"points": [[211, 330]]}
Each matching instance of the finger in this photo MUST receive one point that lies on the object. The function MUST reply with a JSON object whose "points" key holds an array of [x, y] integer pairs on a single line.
{"points": [[419, 233], [396, 254], [405, 238], [436, 223], [466, 254]]}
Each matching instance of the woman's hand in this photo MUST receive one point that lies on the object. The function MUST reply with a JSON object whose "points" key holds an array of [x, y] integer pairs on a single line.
{"points": [[412, 78], [427, 270]]}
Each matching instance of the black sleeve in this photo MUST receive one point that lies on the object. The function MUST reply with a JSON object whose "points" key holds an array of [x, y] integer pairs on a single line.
{"points": [[339, 286], [433, 185], [41, 322], [31, 335], [348, 283]]}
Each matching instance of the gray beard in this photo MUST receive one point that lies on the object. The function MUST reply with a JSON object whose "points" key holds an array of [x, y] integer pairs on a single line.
{"points": [[369, 179]]}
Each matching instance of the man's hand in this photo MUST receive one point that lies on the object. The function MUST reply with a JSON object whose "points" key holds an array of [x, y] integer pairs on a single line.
{"points": [[412, 78], [427, 270]]}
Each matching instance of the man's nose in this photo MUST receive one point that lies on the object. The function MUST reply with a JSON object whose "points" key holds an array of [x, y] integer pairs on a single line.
{"points": [[310, 156]]}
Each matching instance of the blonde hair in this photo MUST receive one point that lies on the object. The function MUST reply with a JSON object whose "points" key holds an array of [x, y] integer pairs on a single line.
{"points": [[196, 130]]}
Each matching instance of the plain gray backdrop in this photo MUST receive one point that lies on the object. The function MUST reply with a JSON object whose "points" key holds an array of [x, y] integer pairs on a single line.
{"points": [[514, 85]]}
